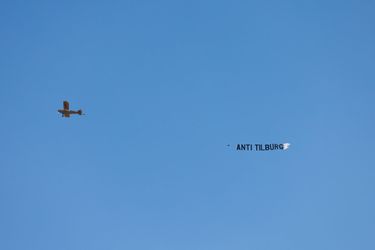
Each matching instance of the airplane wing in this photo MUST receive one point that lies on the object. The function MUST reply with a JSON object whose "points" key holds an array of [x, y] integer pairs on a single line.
{"points": [[66, 105], [67, 115]]}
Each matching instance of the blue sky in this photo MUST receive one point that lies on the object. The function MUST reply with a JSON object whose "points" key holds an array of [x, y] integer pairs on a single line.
{"points": [[165, 86]]}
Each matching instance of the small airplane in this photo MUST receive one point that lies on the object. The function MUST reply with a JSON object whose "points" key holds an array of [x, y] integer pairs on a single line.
{"points": [[66, 112]]}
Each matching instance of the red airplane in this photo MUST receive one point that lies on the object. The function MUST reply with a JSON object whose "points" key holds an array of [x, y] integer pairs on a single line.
{"points": [[66, 112]]}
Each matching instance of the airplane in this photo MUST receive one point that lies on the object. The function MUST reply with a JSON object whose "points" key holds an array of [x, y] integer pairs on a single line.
{"points": [[66, 112]]}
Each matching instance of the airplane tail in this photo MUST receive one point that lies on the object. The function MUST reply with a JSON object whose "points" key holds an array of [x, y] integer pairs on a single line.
{"points": [[79, 112]]}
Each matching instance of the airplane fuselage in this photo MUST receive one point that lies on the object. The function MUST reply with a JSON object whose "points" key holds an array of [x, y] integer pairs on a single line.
{"points": [[67, 113]]}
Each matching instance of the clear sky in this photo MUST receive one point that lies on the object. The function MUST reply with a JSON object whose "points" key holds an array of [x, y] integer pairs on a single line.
{"points": [[165, 86]]}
